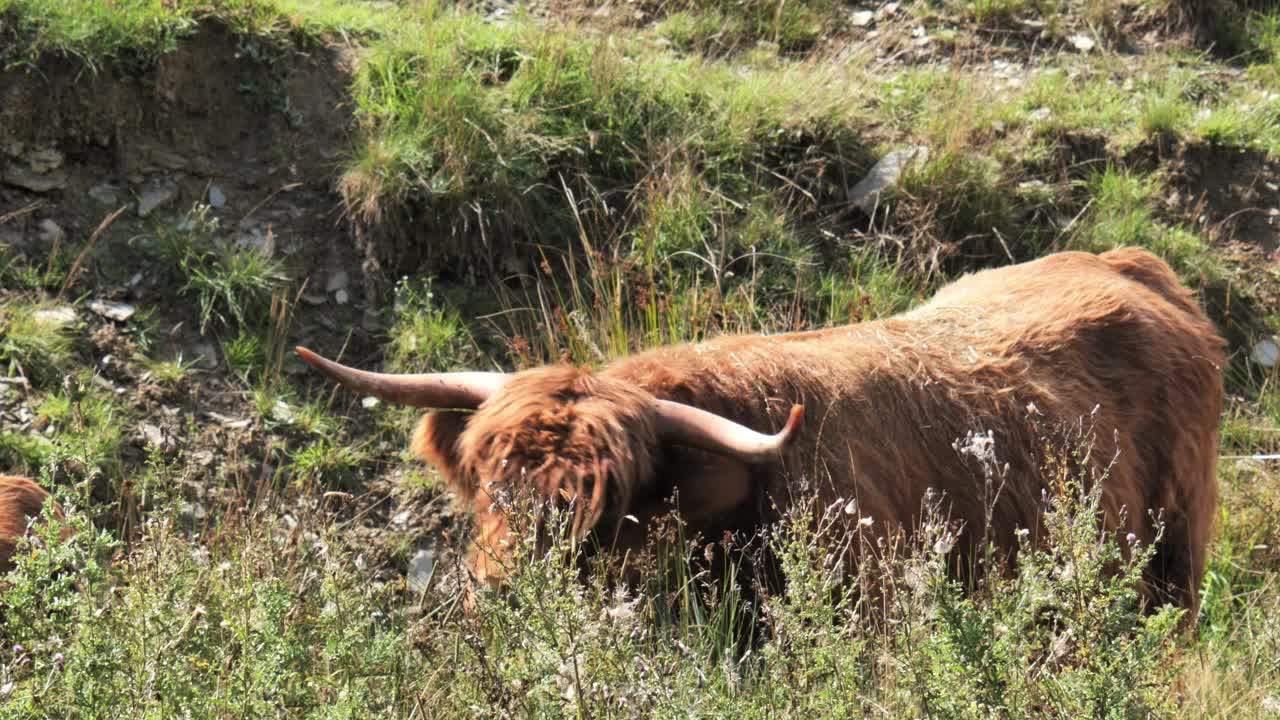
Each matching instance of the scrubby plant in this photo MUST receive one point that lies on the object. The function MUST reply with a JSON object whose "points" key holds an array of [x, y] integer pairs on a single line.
{"points": [[427, 333], [233, 285]]}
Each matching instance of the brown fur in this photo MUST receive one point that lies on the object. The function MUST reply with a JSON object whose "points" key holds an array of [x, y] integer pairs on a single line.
{"points": [[885, 401], [20, 501]]}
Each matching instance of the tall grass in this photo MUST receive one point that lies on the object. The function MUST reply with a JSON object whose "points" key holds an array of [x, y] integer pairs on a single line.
{"points": [[272, 618]]}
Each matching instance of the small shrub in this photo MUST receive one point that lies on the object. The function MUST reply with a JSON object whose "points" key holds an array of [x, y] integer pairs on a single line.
{"points": [[232, 285], [427, 334]]}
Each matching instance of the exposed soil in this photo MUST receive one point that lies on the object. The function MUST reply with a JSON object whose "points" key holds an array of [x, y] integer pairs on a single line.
{"points": [[259, 133], [256, 131], [1234, 192]]}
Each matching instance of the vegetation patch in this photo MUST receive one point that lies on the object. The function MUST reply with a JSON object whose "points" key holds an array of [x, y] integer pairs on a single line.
{"points": [[575, 182]]}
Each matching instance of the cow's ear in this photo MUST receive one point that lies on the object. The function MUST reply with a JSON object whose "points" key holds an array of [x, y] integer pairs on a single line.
{"points": [[436, 441]]}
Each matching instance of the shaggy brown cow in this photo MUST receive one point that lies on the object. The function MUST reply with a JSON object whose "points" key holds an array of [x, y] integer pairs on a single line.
{"points": [[20, 500], [1109, 339]]}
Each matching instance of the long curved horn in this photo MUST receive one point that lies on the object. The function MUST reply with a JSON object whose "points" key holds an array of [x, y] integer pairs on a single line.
{"points": [[457, 390], [688, 425]]}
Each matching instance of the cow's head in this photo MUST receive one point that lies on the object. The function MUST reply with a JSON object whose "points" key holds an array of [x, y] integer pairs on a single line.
{"points": [[565, 434]]}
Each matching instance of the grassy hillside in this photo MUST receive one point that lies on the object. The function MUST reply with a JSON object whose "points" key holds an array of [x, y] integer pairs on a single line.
{"points": [[187, 190]]}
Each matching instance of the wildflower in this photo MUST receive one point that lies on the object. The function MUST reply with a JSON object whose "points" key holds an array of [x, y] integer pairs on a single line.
{"points": [[58, 659], [851, 508], [944, 544], [1131, 538], [866, 521], [18, 649], [1022, 533]]}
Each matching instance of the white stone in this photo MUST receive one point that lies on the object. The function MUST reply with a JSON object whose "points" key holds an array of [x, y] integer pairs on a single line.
{"points": [[337, 281], [55, 317], [217, 198], [113, 310], [1082, 42], [1265, 352], [420, 570], [885, 174]]}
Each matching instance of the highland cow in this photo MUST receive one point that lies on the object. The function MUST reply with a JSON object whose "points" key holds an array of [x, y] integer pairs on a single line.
{"points": [[1112, 339], [20, 501]]}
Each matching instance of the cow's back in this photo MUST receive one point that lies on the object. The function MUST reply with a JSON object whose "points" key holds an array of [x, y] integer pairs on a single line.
{"points": [[1113, 340]]}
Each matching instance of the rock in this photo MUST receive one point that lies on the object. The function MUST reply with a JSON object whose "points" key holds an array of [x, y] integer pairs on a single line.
{"points": [[155, 198], [205, 355], [216, 197], [862, 18], [44, 161], [35, 182], [421, 569], [1265, 352], [885, 174], [1040, 114], [281, 412], [58, 317], [112, 310], [341, 297], [1081, 42], [369, 402], [50, 232], [105, 194], [168, 159], [230, 422], [256, 239], [337, 281], [11, 237], [314, 299], [194, 509], [370, 322], [401, 518], [152, 435]]}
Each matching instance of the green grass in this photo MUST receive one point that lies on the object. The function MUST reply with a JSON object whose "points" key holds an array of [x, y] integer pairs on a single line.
{"points": [[1122, 212], [427, 334], [718, 27], [232, 285], [34, 341], [141, 31], [467, 113]]}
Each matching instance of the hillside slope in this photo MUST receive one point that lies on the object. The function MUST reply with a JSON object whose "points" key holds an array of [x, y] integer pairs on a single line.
{"points": [[188, 190]]}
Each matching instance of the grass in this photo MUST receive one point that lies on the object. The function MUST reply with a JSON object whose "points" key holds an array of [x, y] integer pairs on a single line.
{"points": [[509, 115], [35, 342], [580, 191], [140, 31], [260, 623], [1122, 213], [231, 284]]}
